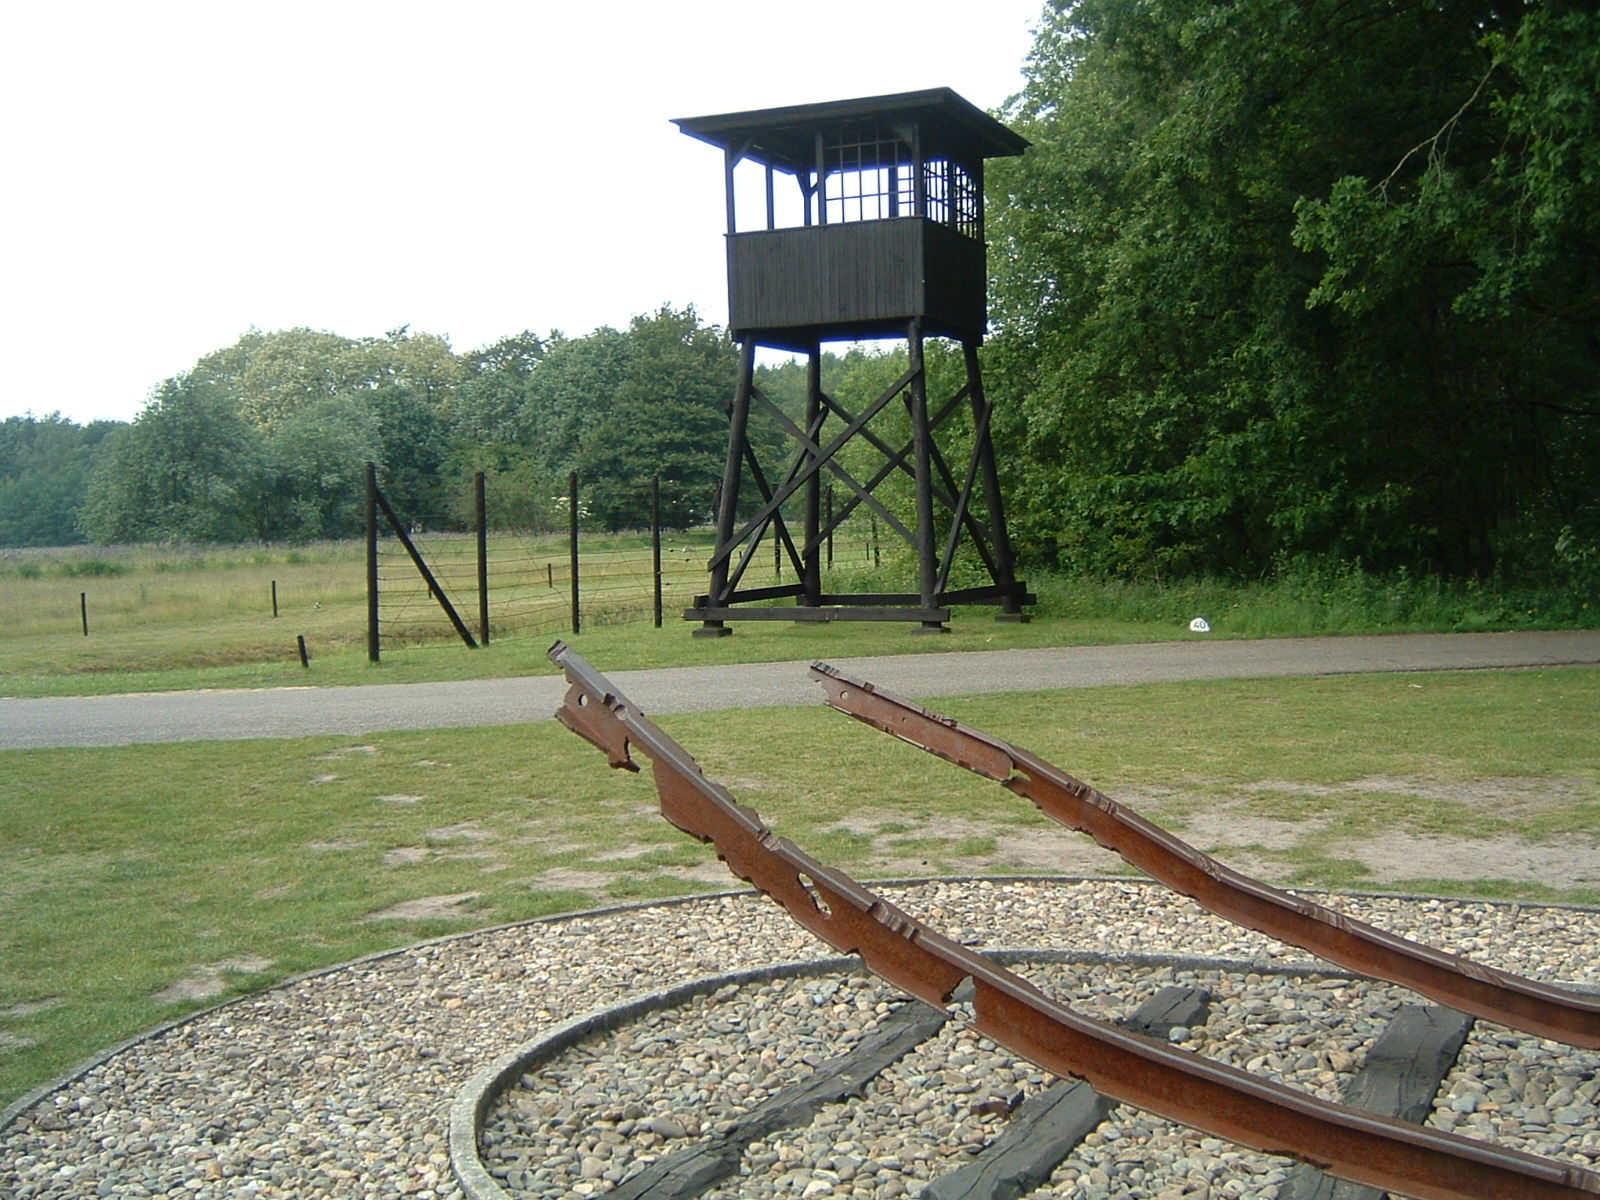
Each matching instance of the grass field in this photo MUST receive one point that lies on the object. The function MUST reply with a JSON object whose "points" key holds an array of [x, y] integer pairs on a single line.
{"points": [[160, 621], [163, 618], [187, 610], [140, 882]]}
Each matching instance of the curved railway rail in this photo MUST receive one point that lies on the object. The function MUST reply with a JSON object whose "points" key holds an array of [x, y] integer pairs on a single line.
{"points": [[1355, 1145], [1553, 1012]]}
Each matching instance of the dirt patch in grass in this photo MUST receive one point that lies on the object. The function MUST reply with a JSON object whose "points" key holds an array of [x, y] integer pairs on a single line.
{"points": [[1267, 846], [429, 908], [633, 850], [1566, 862], [549, 844], [410, 856], [568, 879], [1231, 827], [1049, 850], [29, 1007], [207, 981], [1259, 845], [713, 872], [1508, 798], [345, 752]]}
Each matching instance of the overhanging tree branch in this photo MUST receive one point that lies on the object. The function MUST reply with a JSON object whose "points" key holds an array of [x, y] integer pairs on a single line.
{"points": [[1431, 144]]}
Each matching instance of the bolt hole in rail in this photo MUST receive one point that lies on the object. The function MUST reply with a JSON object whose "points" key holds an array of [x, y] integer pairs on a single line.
{"points": [[1359, 1146]]}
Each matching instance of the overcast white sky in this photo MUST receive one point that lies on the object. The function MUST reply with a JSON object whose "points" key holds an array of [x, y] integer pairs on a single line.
{"points": [[177, 172]]}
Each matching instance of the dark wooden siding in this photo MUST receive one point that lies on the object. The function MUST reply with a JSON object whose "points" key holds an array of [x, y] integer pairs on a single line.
{"points": [[858, 279]]}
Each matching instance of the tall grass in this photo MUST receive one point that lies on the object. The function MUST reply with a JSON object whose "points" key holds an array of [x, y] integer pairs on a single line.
{"points": [[200, 616], [131, 587], [1340, 598]]}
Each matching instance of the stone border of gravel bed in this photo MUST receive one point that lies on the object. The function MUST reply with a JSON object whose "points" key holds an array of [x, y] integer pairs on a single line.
{"points": [[402, 1038], [32, 1098], [474, 1101], [45, 1090]]}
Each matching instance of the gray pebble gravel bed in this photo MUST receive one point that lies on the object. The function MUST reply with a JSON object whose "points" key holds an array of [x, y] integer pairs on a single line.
{"points": [[341, 1084]]}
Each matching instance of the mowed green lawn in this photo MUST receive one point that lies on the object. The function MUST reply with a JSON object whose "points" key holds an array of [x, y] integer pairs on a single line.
{"points": [[138, 883]]}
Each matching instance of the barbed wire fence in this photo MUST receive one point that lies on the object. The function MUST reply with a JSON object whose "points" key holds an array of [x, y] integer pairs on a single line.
{"points": [[430, 581]]}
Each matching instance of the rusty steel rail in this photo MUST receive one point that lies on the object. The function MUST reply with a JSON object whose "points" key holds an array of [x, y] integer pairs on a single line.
{"points": [[1154, 1076], [1470, 987]]}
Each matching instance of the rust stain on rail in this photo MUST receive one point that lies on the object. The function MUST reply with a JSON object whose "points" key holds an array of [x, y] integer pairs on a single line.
{"points": [[1174, 1083]]}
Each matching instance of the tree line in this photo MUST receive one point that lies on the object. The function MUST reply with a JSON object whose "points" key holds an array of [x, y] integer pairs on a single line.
{"points": [[1290, 279], [1278, 281], [267, 439]]}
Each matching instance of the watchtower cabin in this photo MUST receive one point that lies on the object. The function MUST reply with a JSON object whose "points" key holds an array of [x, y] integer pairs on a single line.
{"points": [[876, 232]]}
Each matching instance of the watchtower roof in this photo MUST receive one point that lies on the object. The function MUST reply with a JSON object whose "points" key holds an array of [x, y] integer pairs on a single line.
{"points": [[785, 138]]}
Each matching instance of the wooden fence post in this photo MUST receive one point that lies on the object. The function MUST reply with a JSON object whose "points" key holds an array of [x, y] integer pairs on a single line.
{"points": [[655, 540], [372, 562], [483, 557], [572, 536], [829, 522]]}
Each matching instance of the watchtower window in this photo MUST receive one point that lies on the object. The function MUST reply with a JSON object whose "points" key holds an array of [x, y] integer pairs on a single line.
{"points": [[870, 175], [952, 197]]}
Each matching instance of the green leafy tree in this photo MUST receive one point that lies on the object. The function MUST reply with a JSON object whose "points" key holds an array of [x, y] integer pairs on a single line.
{"points": [[313, 478], [1216, 350], [1482, 236], [422, 363], [189, 468], [269, 376], [496, 386], [44, 471], [485, 420], [412, 450], [272, 375], [572, 390], [665, 418], [314, 407], [518, 493]]}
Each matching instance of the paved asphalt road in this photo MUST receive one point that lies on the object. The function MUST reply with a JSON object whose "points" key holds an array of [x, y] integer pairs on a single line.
{"points": [[295, 712]]}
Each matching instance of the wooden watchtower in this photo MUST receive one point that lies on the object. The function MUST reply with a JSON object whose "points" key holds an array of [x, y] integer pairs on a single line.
{"points": [[884, 239]]}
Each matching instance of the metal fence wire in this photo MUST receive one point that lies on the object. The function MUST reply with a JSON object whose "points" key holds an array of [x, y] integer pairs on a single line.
{"points": [[530, 582], [521, 581]]}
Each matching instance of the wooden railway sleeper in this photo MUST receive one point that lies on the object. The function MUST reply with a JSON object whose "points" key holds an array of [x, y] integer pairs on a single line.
{"points": [[1162, 1079], [1539, 1008]]}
